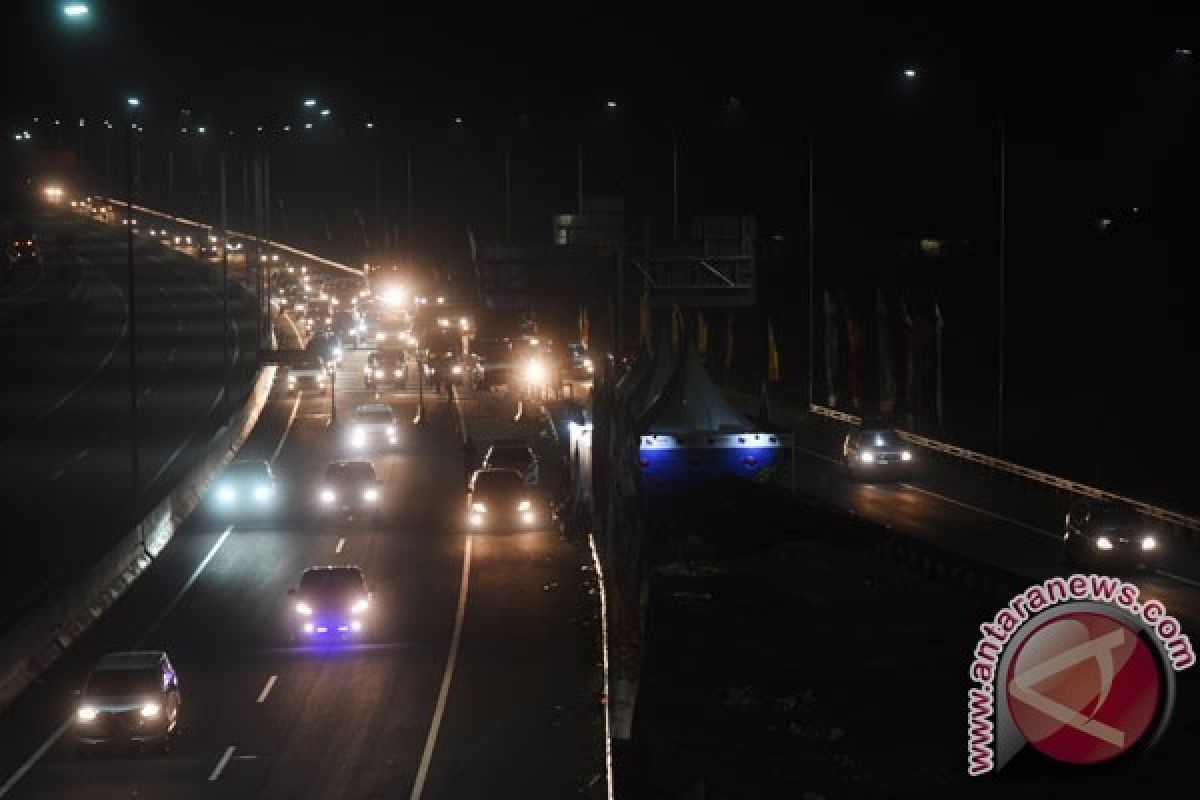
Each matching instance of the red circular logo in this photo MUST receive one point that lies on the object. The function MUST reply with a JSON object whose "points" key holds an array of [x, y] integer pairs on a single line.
{"points": [[1084, 688]]}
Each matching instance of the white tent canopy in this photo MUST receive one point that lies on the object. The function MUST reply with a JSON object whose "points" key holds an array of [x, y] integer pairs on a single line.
{"points": [[689, 403]]}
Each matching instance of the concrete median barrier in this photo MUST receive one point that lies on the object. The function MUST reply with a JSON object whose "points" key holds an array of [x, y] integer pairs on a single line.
{"points": [[32, 646]]}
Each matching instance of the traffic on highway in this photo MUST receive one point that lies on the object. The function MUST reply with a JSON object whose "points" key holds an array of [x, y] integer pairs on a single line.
{"points": [[646, 407]]}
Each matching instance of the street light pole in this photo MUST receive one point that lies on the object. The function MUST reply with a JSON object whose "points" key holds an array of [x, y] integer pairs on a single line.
{"points": [[1000, 320], [133, 381], [674, 183], [811, 282], [224, 289]]}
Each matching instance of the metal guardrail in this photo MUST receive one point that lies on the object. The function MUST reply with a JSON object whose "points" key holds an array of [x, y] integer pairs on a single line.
{"points": [[1164, 514], [268, 242]]}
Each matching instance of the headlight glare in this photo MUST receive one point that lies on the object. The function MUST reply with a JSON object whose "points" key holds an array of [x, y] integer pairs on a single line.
{"points": [[150, 710], [86, 713], [524, 505], [867, 457], [1103, 543], [303, 608], [328, 496], [1149, 543], [479, 508]]}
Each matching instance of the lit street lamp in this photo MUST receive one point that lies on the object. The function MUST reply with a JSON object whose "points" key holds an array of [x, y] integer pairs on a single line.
{"points": [[133, 104]]}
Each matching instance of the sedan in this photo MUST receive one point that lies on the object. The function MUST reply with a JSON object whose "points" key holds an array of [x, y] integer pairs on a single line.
{"points": [[330, 601], [246, 486], [499, 500], [351, 487], [876, 452], [130, 698], [1104, 534]]}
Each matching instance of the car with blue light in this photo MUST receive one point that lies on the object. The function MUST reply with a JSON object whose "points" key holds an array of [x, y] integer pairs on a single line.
{"points": [[499, 500], [1106, 534], [876, 452], [130, 699], [246, 486], [330, 602], [351, 487]]}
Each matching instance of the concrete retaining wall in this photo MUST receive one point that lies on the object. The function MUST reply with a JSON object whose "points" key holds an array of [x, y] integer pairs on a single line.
{"points": [[32, 646]]}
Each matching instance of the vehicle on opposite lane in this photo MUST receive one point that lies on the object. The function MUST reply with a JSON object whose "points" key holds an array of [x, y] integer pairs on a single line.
{"points": [[351, 487], [876, 452], [330, 601], [130, 698], [515, 454], [246, 487], [1104, 534], [22, 249], [499, 500]]}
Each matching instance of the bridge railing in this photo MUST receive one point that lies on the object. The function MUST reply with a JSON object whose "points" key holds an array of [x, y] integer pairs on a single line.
{"points": [[1175, 518]]}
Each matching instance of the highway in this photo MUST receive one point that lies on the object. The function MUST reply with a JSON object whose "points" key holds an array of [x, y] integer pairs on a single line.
{"points": [[64, 450], [1007, 522], [476, 678]]}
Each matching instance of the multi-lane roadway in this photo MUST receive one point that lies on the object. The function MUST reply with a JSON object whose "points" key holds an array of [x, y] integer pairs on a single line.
{"points": [[478, 677], [68, 488]]}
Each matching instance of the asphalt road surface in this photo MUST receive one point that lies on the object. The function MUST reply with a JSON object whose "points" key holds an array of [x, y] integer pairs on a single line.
{"points": [[473, 680], [65, 444], [1004, 521]]}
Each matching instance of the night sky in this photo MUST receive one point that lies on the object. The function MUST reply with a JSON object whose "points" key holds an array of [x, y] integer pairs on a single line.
{"points": [[1100, 117]]}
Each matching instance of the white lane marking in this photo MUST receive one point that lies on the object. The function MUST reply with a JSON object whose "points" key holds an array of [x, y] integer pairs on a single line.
{"points": [[608, 759], [979, 510], [341, 543], [287, 430], [295, 330], [179, 595], [54, 737], [57, 474], [1179, 578], [37, 755], [440, 708], [82, 454], [262, 697], [216, 773], [104, 362], [520, 410]]}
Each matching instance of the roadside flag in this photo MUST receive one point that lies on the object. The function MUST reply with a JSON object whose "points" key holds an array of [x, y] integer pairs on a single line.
{"points": [[728, 344], [772, 353]]}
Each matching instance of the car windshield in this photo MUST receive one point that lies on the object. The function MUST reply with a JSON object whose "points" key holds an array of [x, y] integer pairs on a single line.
{"points": [[110, 682], [1117, 517], [879, 438], [375, 416], [350, 471], [246, 469], [331, 582], [509, 455], [500, 481]]}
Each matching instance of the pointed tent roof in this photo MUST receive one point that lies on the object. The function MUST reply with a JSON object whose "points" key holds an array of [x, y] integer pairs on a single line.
{"points": [[690, 403], [648, 390]]}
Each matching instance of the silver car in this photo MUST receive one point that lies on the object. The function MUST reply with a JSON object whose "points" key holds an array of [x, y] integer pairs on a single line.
{"points": [[373, 425], [130, 698], [876, 452]]}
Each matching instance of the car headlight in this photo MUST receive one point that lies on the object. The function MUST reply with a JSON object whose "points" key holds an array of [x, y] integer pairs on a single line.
{"points": [[370, 495], [906, 455], [360, 605], [337, 352], [1149, 543], [328, 496], [479, 508], [476, 519], [867, 457], [1103, 543], [534, 372], [303, 608], [226, 494], [399, 373], [391, 430], [378, 373], [456, 370], [524, 505], [262, 493], [588, 365], [380, 336], [86, 713]]}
